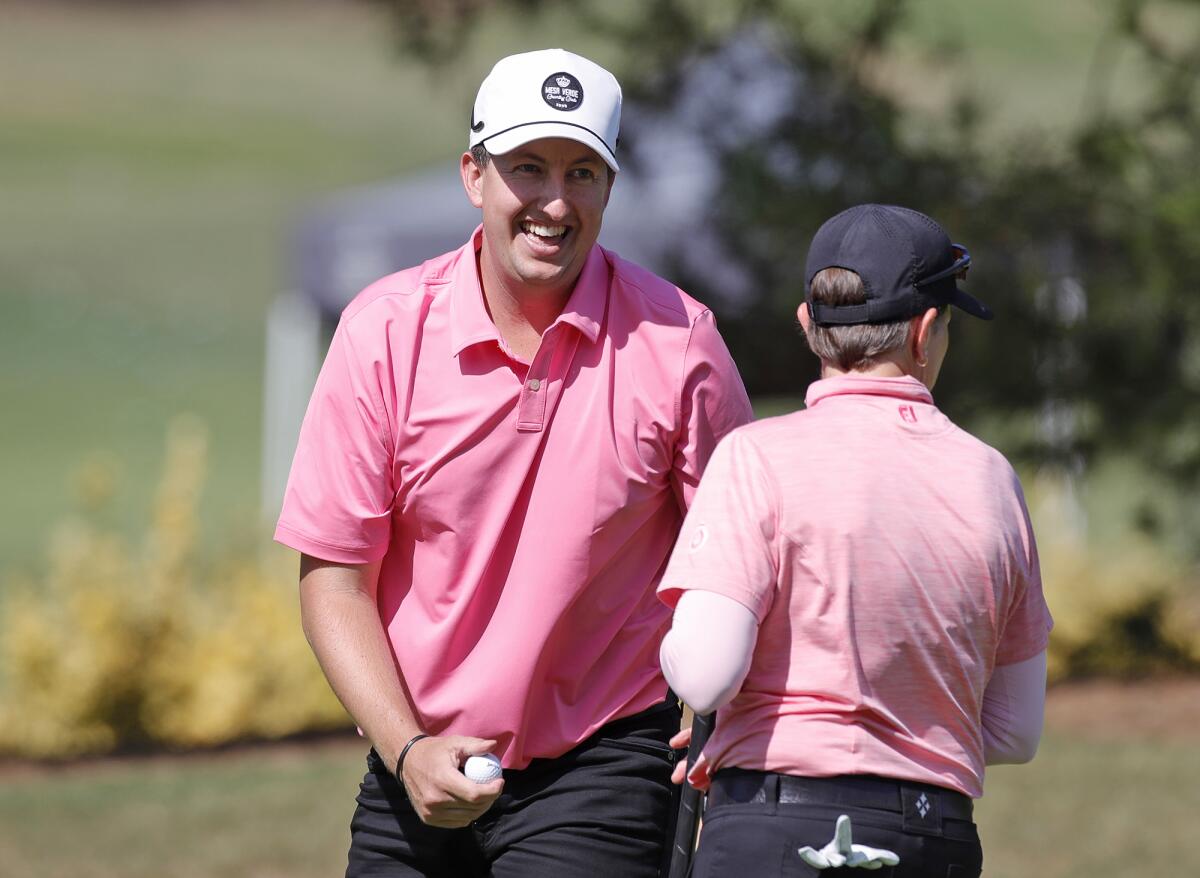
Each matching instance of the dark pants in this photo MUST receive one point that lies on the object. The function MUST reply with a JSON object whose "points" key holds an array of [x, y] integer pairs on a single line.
{"points": [[601, 809], [756, 823]]}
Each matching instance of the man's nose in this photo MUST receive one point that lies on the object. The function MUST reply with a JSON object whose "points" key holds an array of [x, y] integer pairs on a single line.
{"points": [[555, 202]]}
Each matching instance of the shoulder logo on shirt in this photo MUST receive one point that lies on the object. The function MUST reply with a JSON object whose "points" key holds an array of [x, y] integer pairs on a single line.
{"points": [[908, 414], [699, 538], [562, 91]]}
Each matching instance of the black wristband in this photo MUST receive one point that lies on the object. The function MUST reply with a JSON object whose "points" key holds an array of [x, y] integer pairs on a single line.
{"points": [[403, 753]]}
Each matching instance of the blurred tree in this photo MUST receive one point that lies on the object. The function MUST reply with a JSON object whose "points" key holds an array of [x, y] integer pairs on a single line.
{"points": [[1090, 256]]}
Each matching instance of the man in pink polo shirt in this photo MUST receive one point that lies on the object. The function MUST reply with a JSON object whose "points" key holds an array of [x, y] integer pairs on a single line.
{"points": [[856, 588], [490, 477]]}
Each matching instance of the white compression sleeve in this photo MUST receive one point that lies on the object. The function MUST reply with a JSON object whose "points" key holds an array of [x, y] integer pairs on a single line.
{"points": [[1014, 705], [706, 654]]}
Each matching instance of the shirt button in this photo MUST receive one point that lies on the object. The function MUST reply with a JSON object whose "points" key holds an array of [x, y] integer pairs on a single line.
{"points": [[535, 385]]}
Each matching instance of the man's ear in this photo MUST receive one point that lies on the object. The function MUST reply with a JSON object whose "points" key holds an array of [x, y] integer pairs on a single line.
{"points": [[802, 316], [472, 178], [922, 328]]}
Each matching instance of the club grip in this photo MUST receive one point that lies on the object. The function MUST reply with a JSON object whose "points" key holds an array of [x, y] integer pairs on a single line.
{"points": [[690, 803]]}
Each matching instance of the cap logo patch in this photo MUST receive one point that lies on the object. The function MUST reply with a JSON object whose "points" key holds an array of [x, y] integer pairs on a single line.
{"points": [[562, 91]]}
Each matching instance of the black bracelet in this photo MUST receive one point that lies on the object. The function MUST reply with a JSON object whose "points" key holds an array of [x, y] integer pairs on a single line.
{"points": [[403, 753]]}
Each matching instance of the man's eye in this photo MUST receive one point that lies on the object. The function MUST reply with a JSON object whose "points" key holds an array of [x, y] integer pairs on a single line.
{"points": [[526, 168], [584, 174]]}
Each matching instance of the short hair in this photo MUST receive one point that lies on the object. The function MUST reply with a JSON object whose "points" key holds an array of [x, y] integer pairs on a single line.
{"points": [[858, 346]]}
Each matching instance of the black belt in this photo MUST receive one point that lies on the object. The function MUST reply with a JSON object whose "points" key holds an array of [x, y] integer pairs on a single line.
{"points": [[926, 802]]}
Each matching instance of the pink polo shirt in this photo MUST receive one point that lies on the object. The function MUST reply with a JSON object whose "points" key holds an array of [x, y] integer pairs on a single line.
{"points": [[890, 562], [523, 512]]}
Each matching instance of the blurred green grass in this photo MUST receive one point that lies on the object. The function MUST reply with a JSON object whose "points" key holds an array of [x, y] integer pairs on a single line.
{"points": [[1087, 807], [153, 158], [261, 813]]}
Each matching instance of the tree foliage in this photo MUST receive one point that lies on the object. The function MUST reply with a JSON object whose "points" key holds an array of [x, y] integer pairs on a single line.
{"points": [[1090, 256]]}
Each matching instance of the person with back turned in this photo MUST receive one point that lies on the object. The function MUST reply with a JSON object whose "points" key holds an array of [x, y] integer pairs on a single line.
{"points": [[856, 589]]}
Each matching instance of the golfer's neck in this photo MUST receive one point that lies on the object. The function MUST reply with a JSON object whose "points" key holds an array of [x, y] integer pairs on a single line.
{"points": [[885, 369], [521, 315]]}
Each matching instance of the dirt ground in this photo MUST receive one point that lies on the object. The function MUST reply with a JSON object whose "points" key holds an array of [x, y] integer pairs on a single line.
{"points": [[1104, 710]]}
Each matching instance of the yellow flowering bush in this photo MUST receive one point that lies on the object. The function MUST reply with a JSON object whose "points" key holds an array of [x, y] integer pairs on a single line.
{"points": [[1126, 608], [120, 646]]}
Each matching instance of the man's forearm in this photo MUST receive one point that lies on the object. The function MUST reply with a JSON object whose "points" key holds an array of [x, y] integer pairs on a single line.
{"points": [[341, 622]]}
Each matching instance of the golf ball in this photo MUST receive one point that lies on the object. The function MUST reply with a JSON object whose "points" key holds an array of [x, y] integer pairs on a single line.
{"points": [[482, 769]]}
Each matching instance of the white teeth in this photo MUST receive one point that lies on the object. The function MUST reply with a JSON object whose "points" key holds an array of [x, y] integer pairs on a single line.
{"points": [[544, 231]]}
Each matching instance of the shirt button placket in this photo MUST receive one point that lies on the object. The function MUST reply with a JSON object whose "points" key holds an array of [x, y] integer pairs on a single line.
{"points": [[532, 414]]}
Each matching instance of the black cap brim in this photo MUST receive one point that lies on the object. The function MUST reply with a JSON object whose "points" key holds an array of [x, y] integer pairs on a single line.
{"points": [[970, 304]]}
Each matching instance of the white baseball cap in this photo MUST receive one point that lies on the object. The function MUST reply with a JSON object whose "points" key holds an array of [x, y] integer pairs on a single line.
{"points": [[548, 93]]}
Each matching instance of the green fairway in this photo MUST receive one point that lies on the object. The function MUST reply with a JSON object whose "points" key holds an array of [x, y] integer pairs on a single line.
{"points": [[1114, 791]]}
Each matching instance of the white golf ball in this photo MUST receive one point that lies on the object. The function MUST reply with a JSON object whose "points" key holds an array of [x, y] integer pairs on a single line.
{"points": [[482, 769]]}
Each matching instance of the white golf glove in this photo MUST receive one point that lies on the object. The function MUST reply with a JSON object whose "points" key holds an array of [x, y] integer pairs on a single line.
{"points": [[841, 852]]}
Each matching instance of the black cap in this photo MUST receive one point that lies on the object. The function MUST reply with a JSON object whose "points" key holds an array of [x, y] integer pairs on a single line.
{"points": [[906, 261]]}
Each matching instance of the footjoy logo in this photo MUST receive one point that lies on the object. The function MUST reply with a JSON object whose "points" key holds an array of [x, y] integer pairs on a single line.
{"points": [[562, 91], [699, 538], [908, 414]]}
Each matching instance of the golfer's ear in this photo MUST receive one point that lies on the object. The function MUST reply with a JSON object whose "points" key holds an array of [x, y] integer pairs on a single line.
{"points": [[922, 327], [472, 178], [802, 316]]}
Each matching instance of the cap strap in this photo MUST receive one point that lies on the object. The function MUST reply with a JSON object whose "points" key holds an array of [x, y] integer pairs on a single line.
{"points": [[870, 312], [828, 315]]}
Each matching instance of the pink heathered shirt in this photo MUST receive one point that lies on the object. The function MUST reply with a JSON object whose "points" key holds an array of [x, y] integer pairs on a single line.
{"points": [[523, 512], [889, 559]]}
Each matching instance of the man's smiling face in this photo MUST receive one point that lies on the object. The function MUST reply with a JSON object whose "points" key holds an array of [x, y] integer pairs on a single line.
{"points": [[542, 208]]}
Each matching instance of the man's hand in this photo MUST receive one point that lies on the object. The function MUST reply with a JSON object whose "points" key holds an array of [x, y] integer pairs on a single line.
{"points": [[441, 795], [681, 739]]}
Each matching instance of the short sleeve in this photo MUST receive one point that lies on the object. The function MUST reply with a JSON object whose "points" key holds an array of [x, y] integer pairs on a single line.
{"points": [[713, 402], [1026, 630], [728, 541], [337, 505]]}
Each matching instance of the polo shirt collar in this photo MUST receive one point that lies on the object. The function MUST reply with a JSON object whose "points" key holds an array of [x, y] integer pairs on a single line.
{"points": [[469, 320], [585, 309], [901, 387]]}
